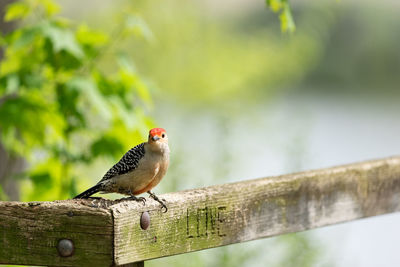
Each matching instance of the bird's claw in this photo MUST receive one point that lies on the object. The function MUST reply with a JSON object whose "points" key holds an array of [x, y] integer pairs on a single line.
{"points": [[141, 199], [163, 206], [138, 199]]}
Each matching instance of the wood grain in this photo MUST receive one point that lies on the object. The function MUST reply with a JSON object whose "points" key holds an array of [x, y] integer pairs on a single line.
{"points": [[108, 233], [231, 213], [29, 233]]}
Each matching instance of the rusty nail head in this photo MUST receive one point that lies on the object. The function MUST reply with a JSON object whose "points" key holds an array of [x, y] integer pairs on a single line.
{"points": [[65, 247], [145, 220]]}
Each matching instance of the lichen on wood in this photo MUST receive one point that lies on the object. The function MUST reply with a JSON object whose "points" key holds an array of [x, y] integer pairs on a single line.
{"points": [[231, 213], [108, 233], [30, 232]]}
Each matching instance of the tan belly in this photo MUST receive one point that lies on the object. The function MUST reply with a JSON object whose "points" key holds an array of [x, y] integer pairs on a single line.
{"points": [[139, 180]]}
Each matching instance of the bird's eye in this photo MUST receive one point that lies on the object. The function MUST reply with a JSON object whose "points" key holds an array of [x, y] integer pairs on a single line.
{"points": [[163, 135]]}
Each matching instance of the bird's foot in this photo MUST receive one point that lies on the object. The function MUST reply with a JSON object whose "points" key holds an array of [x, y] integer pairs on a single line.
{"points": [[132, 197], [163, 206], [138, 199]]}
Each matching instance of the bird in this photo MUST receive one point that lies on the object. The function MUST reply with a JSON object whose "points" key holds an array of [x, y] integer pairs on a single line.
{"points": [[138, 171]]}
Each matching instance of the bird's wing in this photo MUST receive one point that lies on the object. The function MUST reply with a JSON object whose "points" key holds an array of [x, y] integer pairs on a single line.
{"points": [[127, 163]]}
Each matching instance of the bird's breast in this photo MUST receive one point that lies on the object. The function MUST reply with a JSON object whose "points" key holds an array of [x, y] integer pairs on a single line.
{"points": [[147, 175]]}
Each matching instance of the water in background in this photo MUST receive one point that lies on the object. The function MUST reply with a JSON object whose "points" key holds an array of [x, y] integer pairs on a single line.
{"points": [[295, 132], [342, 67]]}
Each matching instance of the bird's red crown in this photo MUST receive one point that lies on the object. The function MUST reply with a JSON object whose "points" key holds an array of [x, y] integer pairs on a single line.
{"points": [[157, 131]]}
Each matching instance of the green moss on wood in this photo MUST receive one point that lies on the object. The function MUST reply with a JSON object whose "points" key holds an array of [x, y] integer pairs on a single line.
{"points": [[106, 231]]}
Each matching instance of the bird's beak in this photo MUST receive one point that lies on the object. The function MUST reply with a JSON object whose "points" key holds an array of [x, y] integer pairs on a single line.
{"points": [[155, 138]]}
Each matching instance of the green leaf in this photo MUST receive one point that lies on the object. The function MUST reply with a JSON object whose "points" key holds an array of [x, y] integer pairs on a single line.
{"points": [[143, 92], [28, 120], [89, 37], [107, 145], [12, 84], [42, 180], [46, 178], [125, 114], [125, 64], [287, 22], [285, 17], [130, 79], [11, 63], [91, 94], [275, 5], [18, 10], [26, 37], [136, 25], [50, 7], [62, 40]]}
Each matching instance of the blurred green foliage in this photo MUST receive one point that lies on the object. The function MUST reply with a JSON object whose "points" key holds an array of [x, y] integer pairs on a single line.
{"points": [[59, 109], [79, 98], [225, 59], [70, 94], [70, 97], [285, 16]]}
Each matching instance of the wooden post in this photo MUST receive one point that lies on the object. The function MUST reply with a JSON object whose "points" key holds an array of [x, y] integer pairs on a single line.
{"points": [[106, 233], [30, 233]]}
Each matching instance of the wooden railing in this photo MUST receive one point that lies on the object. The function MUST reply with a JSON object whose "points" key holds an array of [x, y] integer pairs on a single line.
{"points": [[98, 232]]}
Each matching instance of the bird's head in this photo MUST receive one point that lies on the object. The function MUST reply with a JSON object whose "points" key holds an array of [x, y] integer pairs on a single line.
{"points": [[158, 135]]}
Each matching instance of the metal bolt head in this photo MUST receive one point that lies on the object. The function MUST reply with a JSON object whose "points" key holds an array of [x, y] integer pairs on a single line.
{"points": [[65, 247], [145, 220]]}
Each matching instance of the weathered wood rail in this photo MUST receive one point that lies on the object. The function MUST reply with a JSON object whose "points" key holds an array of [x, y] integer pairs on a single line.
{"points": [[106, 233]]}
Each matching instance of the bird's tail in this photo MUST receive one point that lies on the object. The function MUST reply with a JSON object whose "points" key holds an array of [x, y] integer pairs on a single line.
{"points": [[90, 191]]}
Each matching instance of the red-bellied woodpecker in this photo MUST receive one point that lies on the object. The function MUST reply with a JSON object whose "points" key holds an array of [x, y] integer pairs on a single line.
{"points": [[138, 171]]}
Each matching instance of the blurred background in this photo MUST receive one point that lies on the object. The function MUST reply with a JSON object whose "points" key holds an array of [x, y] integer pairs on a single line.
{"points": [[82, 81]]}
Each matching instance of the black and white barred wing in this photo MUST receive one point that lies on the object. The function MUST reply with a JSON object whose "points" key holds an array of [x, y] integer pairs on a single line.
{"points": [[127, 163]]}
